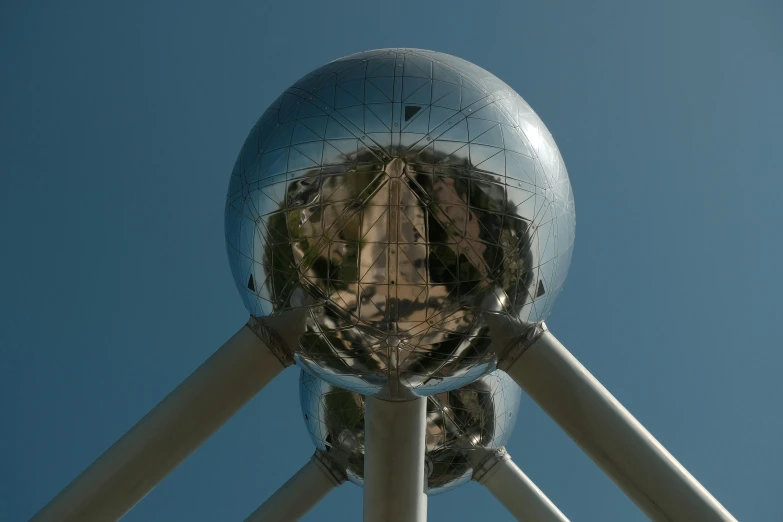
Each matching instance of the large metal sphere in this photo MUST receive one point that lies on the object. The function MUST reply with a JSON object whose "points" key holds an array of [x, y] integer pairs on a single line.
{"points": [[399, 194], [479, 416]]}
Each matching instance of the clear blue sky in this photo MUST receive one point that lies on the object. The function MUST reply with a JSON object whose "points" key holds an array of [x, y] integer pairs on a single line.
{"points": [[119, 126]]}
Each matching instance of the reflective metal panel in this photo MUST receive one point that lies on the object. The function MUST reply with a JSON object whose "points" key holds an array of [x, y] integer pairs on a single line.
{"points": [[479, 415], [398, 194]]}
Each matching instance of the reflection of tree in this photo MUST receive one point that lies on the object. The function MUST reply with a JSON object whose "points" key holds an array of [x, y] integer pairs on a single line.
{"points": [[319, 241], [279, 261], [343, 416]]}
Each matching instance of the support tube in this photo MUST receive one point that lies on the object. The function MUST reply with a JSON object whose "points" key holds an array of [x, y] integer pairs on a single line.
{"points": [[650, 476], [516, 491], [394, 446], [141, 458], [301, 493]]}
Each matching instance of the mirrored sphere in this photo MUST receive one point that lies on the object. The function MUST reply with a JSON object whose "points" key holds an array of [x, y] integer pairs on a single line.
{"points": [[480, 415], [398, 195]]}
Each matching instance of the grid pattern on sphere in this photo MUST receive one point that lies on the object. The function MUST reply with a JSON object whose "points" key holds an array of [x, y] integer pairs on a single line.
{"points": [[479, 416], [399, 193]]}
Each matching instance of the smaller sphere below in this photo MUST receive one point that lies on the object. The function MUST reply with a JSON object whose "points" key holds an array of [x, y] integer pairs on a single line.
{"points": [[479, 416]]}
